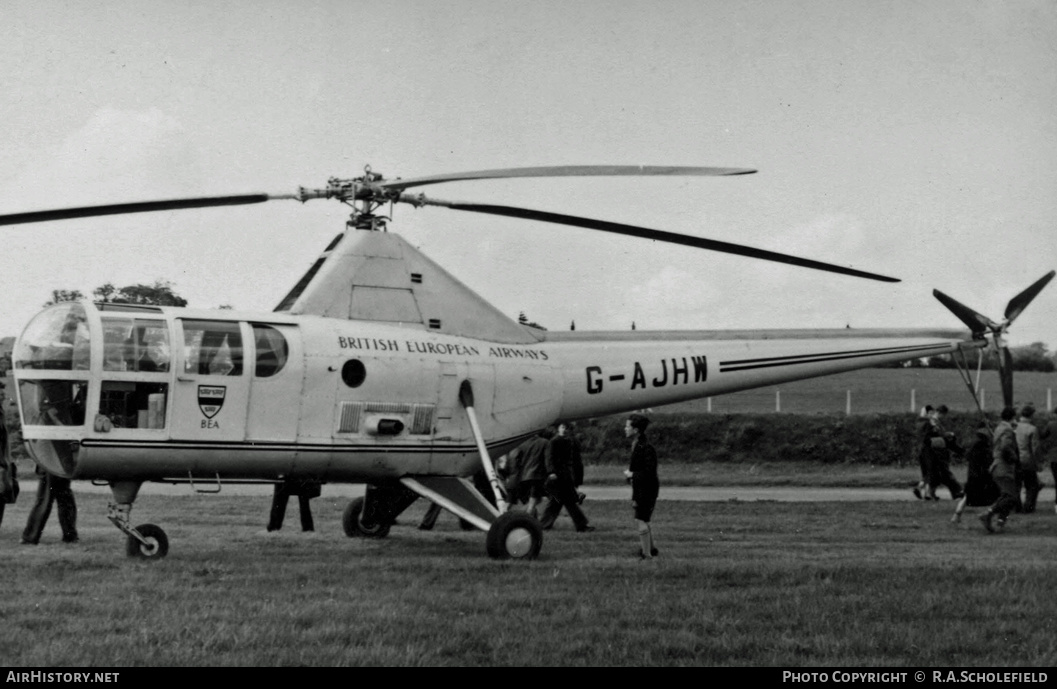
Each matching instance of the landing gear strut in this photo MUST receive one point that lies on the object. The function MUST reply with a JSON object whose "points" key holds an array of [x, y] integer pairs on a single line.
{"points": [[145, 541]]}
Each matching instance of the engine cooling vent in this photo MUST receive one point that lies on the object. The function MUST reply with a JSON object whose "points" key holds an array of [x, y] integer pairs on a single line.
{"points": [[419, 416]]}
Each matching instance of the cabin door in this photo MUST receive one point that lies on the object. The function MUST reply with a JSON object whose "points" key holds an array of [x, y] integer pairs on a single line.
{"points": [[212, 381]]}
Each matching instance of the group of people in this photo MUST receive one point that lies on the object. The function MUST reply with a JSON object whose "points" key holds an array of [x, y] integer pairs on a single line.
{"points": [[1018, 454], [1003, 463], [549, 467]]}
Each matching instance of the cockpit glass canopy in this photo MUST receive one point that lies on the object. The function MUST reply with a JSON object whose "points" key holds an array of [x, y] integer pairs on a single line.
{"points": [[56, 339]]}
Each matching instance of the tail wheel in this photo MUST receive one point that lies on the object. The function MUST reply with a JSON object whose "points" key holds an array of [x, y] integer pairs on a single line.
{"points": [[354, 527], [156, 547], [514, 535]]}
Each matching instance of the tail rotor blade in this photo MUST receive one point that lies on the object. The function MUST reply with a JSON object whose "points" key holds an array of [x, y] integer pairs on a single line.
{"points": [[977, 322], [1005, 373], [1020, 302]]}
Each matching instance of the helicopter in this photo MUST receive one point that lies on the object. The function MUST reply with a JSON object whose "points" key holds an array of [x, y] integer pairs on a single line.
{"points": [[381, 368]]}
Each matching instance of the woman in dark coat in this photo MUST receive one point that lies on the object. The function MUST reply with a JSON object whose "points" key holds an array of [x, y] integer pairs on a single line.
{"points": [[980, 488], [642, 475]]}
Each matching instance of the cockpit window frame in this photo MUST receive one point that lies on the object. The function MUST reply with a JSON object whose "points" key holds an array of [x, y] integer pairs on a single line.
{"points": [[144, 347]]}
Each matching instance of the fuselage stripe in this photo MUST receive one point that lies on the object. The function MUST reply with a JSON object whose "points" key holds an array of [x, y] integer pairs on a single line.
{"points": [[749, 364], [253, 446]]}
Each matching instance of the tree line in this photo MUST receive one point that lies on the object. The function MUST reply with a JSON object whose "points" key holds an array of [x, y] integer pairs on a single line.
{"points": [[1033, 357], [158, 294]]}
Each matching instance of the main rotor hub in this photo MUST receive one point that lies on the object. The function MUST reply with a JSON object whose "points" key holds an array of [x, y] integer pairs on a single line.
{"points": [[363, 194]]}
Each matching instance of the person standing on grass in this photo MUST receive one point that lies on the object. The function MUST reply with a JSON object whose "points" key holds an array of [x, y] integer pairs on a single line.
{"points": [[51, 490], [645, 485], [8, 471], [1029, 452], [1004, 466], [935, 458], [943, 445], [305, 490], [980, 488], [1048, 438], [530, 480], [560, 482], [921, 490]]}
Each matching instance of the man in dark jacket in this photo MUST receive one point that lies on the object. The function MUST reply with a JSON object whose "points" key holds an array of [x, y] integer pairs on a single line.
{"points": [[560, 482], [645, 485], [533, 472], [305, 490], [980, 488], [56, 490], [939, 444], [7, 465]]}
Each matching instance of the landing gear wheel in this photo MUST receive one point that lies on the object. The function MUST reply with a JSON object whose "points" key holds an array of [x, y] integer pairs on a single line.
{"points": [[350, 522], [157, 545], [514, 535]]}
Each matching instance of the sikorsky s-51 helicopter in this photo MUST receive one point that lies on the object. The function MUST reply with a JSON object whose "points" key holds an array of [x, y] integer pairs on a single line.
{"points": [[379, 367]]}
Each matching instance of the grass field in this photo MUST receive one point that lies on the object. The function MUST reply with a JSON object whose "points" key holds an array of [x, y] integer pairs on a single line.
{"points": [[877, 584], [737, 583]]}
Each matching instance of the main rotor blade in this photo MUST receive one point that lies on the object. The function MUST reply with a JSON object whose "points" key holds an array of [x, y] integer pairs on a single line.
{"points": [[570, 171], [1020, 302], [646, 233], [140, 207]]}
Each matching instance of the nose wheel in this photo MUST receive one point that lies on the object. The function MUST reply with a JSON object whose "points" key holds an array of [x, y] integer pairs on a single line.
{"points": [[146, 541], [151, 544]]}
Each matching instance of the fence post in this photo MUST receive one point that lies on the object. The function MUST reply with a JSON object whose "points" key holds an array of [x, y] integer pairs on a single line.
{"points": [[847, 406], [1049, 399], [778, 400], [709, 401], [983, 398], [913, 403]]}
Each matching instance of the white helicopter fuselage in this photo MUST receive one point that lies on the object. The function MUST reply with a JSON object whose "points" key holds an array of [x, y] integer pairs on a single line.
{"points": [[158, 393]]}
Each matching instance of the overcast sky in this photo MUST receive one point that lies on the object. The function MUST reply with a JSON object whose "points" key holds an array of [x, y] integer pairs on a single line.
{"points": [[912, 139]]}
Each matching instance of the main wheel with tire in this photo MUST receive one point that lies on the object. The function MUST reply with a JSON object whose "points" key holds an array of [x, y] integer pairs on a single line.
{"points": [[354, 526], [514, 535], [156, 547]]}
